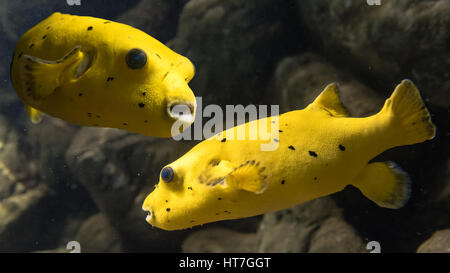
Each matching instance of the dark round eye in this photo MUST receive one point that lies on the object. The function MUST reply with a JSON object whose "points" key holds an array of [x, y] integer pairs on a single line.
{"points": [[136, 58], [167, 174]]}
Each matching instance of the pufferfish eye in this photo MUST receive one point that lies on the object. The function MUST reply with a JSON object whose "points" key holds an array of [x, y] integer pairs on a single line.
{"points": [[136, 58], [167, 174]]}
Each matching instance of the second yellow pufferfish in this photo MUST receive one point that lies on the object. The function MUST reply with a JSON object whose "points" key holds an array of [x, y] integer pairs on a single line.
{"points": [[320, 151]]}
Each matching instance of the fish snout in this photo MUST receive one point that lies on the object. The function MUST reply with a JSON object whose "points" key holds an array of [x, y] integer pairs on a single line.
{"points": [[148, 209], [182, 111]]}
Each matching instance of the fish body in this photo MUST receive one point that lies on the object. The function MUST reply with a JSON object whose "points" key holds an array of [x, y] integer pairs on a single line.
{"points": [[320, 151], [95, 72]]}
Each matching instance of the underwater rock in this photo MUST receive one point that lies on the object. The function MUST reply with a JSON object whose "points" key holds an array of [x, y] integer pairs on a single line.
{"points": [[158, 18], [97, 234], [438, 243], [47, 143], [385, 43], [119, 169], [315, 226], [233, 45], [94, 234], [300, 79], [20, 223], [219, 240], [13, 155], [16, 17]]}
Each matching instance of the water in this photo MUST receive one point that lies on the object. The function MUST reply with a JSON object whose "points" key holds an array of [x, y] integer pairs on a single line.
{"points": [[65, 187]]}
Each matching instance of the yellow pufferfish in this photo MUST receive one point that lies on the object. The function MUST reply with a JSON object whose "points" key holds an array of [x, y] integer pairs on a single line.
{"points": [[95, 72], [321, 151]]}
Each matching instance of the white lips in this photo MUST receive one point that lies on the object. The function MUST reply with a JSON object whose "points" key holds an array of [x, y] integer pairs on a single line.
{"points": [[149, 214], [184, 113]]}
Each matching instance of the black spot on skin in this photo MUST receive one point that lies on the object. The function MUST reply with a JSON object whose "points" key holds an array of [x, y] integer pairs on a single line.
{"points": [[281, 131], [168, 209], [109, 79], [141, 105], [80, 94], [157, 55], [192, 221], [223, 140], [311, 153], [282, 182], [45, 36], [90, 28], [145, 121], [97, 116], [31, 46], [190, 188], [167, 201], [315, 178], [27, 67], [220, 198], [107, 22], [20, 55], [341, 147], [144, 93], [125, 123], [89, 114], [291, 147], [48, 27], [217, 213]]}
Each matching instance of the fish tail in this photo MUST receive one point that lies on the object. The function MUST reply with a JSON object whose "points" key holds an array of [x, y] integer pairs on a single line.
{"points": [[408, 115], [385, 183]]}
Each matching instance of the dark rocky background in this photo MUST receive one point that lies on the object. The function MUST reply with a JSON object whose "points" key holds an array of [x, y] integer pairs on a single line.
{"points": [[60, 182]]}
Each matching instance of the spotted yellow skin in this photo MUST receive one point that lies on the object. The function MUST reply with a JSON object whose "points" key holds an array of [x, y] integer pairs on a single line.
{"points": [[321, 151], [109, 93]]}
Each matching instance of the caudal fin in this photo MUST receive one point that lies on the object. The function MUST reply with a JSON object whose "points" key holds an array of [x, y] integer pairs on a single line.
{"points": [[384, 183], [408, 114]]}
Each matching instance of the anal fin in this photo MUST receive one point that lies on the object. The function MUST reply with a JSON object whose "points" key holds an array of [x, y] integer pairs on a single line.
{"points": [[384, 183]]}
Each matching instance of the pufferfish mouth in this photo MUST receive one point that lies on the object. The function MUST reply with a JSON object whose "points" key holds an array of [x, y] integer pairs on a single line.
{"points": [[149, 214], [182, 112]]}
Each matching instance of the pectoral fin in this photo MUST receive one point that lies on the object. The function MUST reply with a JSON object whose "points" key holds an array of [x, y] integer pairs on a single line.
{"points": [[329, 101], [248, 176], [41, 78]]}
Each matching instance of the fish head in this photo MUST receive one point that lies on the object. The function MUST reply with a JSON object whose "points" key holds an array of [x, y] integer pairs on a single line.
{"points": [[155, 90], [191, 191]]}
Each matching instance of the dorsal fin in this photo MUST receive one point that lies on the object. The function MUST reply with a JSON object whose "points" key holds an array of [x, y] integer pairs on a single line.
{"points": [[329, 101]]}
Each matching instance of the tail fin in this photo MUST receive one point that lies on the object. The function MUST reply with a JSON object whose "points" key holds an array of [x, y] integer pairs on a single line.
{"points": [[384, 183], [409, 115]]}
